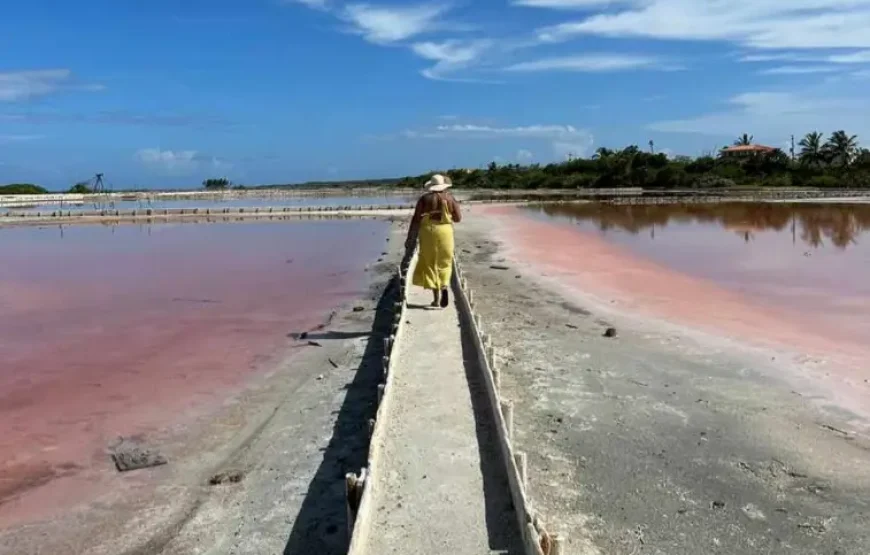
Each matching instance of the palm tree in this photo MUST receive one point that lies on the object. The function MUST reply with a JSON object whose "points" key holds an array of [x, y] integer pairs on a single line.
{"points": [[841, 148], [602, 153], [744, 140], [812, 149]]}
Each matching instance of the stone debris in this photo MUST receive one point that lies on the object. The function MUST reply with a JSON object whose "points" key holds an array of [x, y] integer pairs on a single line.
{"points": [[229, 477], [129, 454]]}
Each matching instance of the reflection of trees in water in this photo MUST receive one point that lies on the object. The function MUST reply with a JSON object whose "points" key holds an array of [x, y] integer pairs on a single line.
{"points": [[813, 223]]}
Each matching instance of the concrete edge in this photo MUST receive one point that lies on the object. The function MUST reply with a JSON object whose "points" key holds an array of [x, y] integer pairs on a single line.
{"points": [[359, 518], [536, 539]]}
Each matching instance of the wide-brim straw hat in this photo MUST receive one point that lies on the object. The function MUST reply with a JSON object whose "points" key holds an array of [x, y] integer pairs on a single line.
{"points": [[438, 183]]}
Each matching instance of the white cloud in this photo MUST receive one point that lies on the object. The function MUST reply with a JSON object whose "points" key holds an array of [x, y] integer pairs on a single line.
{"points": [[773, 116], [854, 57], [562, 4], [449, 55], [22, 85], [858, 57], [575, 149], [384, 25], [524, 156], [798, 70], [564, 139], [591, 63], [472, 131], [754, 23], [5, 139], [179, 162], [314, 4]]}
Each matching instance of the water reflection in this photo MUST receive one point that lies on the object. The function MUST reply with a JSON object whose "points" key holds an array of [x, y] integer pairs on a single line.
{"points": [[812, 224]]}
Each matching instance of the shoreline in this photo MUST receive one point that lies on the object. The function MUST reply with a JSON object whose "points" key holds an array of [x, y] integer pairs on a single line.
{"points": [[159, 504], [658, 439]]}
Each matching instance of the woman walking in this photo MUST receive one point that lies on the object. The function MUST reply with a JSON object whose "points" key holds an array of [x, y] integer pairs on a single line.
{"points": [[432, 223]]}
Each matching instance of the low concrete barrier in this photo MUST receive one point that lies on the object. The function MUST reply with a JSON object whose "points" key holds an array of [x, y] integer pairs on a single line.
{"points": [[361, 488], [536, 539]]}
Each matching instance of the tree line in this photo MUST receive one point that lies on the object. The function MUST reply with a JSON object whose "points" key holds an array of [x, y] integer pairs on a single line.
{"points": [[837, 161]]}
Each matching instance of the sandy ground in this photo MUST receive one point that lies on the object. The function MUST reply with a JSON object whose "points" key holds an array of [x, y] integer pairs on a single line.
{"points": [[443, 489], [658, 441], [290, 438]]}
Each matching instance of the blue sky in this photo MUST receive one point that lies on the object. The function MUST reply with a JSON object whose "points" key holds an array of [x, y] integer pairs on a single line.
{"points": [[166, 93]]}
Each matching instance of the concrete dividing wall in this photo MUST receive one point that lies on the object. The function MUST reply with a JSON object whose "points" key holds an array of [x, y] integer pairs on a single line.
{"points": [[536, 539], [361, 488]]}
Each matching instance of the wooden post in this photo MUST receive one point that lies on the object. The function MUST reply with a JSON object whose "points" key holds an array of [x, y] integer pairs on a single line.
{"points": [[464, 284], [371, 428], [386, 362], [522, 466], [381, 389], [490, 355], [507, 412], [557, 545], [496, 379], [470, 295], [388, 343]]}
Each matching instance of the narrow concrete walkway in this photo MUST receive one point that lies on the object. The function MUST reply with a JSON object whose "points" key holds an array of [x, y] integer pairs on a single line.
{"points": [[443, 490]]}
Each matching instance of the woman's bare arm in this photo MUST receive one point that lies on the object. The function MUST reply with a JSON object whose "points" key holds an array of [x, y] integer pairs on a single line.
{"points": [[455, 211], [415, 224]]}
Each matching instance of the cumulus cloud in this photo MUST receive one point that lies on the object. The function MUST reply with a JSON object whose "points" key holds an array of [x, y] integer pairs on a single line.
{"points": [[754, 23], [592, 63], [25, 85], [179, 162], [390, 24]]}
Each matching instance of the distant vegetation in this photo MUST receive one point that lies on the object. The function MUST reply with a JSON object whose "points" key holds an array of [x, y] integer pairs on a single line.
{"points": [[22, 189], [217, 184], [81, 188], [835, 162]]}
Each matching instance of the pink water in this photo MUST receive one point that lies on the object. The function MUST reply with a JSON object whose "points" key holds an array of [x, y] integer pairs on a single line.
{"points": [[108, 332], [793, 278], [813, 259]]}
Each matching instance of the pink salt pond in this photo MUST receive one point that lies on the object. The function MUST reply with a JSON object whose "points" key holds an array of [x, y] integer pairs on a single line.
{"points": [[790, 276], [121, 331]]}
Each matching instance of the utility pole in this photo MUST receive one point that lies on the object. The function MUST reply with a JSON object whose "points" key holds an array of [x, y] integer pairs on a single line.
{"points": [[99, 187], [792, 148], [652, 147]]}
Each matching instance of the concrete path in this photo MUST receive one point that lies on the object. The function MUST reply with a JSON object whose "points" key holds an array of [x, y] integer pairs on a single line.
{"points": [[443, 489]]}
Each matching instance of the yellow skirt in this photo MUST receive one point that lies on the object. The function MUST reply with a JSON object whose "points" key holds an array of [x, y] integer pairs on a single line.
{"points": [[435, 259]]}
